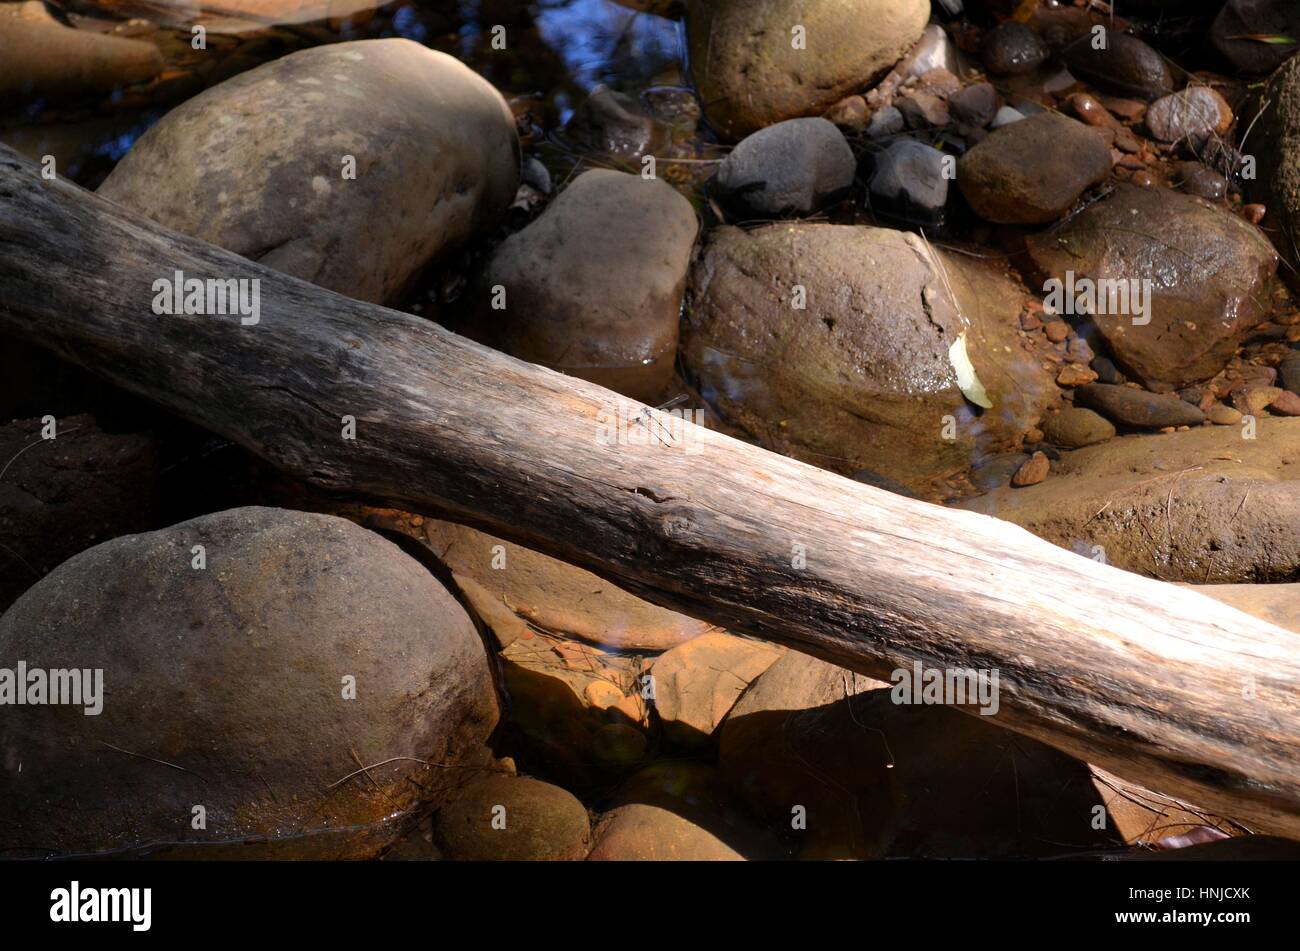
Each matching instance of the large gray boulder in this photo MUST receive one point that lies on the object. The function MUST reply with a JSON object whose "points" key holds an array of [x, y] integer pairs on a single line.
{"points": [[259, 164], [227, 687]]}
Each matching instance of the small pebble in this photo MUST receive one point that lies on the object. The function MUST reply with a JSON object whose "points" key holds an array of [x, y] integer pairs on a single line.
{"points": [[1033, 471]]}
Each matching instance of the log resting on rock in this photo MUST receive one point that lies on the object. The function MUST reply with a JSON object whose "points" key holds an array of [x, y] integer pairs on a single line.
{"points": [[1156, 683]]}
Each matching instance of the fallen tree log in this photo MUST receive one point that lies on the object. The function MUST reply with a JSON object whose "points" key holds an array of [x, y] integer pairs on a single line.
{"points": [[1158, 684]]}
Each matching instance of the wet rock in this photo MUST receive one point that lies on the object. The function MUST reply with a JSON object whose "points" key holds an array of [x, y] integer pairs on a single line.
{"points": [[41, 58], [975, 106], [306, 645], [513, 819], [908, 183], [1106, 371], [1127, 66], [1137, 408], [593, 287], [750, 73], [535, 175], [851, 112], [1191, 114], [609, 121], [885, 121], [1034, 470], [1222, 415], [863, 375], [1075, 427], [258, 164], [1202, 506], [1275, 143], [1201, 181], [794, 167], [1031, 172], [517, 592], [934, 50], [922, 110], [1207, 274], [697, 683], [1012, 49], [580, 710], [60, 496], [1240, 20]]}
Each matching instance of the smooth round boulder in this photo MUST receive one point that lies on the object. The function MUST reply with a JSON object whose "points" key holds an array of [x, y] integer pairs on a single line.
{"points": [[854, 347], [513, 818], [757, 62], [252, 660], [594, 286], [351, 166], [1031, 172]]}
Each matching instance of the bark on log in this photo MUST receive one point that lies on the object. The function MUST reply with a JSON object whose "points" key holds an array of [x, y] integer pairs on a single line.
{"points": [[1158, 684]]}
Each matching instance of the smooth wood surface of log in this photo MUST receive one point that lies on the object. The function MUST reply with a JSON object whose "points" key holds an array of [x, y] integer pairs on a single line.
{"points": [[1156, 683]]}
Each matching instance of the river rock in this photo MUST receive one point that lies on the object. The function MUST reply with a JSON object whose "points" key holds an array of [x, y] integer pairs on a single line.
{"points": [[513, 819], [1127, 66], [1191, 114], [1075, 427], [257, 164], [678, 810], [41, 58], [1031, 172], [1202, 506], [594, 286], [1137, 408], [975, 106], [696, 684], [794, 167], [1240, 21], [864, 376], [908, 183], [60, 496], [934, 50], [1208, 271], [749, 72], [305, 646], [1012, 49]]}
